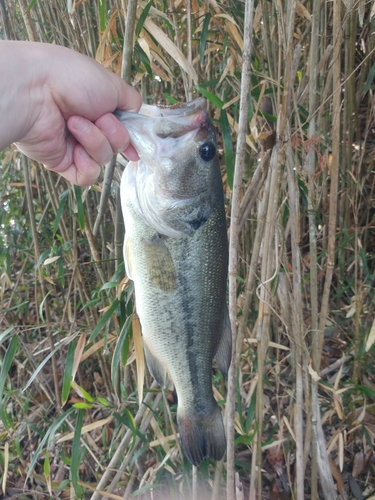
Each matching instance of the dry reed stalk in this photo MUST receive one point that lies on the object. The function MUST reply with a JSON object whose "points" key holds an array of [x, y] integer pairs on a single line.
{"points": [[5, 20], [189, 94], [252, 271], [30, 27], [29, 197], [144, 425], [268, 272], [233, 239], [127, 51], [291, 59], [313, 406], [296, 319], [106, 189], [319, 441], [126, 73], [124, 444]]}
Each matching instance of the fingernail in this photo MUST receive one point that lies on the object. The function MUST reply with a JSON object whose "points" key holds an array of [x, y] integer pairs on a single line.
{"points": [[79, 123], [108, 125], [84, 154]]}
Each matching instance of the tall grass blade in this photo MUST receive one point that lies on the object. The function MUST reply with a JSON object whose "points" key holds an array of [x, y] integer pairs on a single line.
{"points": [[67, 373], [7, 363], [77, 454]]}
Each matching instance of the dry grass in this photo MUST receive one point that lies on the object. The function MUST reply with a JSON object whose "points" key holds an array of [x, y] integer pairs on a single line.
{"points": [[303, 226]]}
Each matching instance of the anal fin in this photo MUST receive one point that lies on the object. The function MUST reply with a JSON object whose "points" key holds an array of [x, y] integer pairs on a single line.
{"points": [[157, 370], [224, 349]]}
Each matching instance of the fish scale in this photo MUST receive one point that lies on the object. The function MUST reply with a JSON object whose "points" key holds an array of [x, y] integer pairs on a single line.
{"points": [[176, 253]]}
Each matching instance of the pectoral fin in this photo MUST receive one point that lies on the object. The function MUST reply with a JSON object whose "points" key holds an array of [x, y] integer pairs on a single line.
{"points": [[224, 350], [160, 264], [157, 370], [128, 256]]}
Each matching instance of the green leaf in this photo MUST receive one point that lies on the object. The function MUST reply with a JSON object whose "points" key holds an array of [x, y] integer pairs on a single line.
{"points": [[41, 307], [250, 109], [47, 358], [146, 488], [61, 267], [43, 257], [46, 468], [102, 10], [109, 284], [50, 432], [169, 98], [90, 303], [82, 406], [17, 306], [117, 358], [81, 212], [143, 57], [60, 210], [370, 79], [250, 413], [31, 5], [127, 419], [106, 317], [203, 37], [7, 363], [85, 394], [77, 455], [142, 18], [68, 373], [218, 103], [5, 334], [228, 146]]}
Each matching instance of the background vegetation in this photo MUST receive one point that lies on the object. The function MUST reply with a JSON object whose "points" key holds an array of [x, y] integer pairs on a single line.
{"points": [[300, 201]]}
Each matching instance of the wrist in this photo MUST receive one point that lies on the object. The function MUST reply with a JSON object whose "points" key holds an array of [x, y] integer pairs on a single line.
{"points": [[21, 89]]}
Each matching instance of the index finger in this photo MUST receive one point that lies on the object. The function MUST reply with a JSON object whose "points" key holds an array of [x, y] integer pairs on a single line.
{"points": [[129, 99]]}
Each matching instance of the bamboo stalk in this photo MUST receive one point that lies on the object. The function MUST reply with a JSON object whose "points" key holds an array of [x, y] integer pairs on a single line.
{"points": [[106, 189], [251, 276], [127, 51], [297, 320], [30, 28], [5, 20], [233, 240], [189, 95], [310, 169], [325, 475], [268, 272]]}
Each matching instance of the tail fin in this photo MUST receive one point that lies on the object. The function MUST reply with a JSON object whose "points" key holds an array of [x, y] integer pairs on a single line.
{"points": [[202, 435]]}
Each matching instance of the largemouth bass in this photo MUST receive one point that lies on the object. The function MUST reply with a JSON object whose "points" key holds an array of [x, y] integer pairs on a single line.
{"points": [[176, 253]]}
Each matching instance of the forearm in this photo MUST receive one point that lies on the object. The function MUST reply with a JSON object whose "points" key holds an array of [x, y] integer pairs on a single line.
{"points": [[21, 89]]}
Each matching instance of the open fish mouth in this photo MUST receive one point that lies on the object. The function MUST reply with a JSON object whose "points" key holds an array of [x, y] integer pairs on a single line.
{"points": [[155, 131], [180, 109]]}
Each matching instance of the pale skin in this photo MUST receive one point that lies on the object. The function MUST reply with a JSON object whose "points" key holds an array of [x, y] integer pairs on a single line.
{"points": [[57, 104]]}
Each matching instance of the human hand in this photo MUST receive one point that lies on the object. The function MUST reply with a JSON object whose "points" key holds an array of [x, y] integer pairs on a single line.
{"points": [[62, 110]]}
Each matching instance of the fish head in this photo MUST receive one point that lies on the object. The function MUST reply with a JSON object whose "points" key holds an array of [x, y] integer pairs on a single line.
{"points": [[178, 167]]}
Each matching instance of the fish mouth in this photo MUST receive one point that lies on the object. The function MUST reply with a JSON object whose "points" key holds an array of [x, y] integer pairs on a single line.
{"points": [[155, 131], [179, 109]]}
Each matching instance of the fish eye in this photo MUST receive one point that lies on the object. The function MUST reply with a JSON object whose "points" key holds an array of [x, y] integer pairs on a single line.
{"points": [[207, 151]]}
